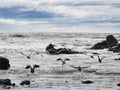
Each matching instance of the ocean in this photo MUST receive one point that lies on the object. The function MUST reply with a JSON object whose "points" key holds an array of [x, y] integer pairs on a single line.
{"points": [[51, 75]]}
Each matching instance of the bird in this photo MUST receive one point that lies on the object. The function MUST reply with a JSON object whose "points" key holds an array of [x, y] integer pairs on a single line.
{"points": [[32, 69], [100, 58], [27, 56], [79, 68], [94, 53], [63, 61]]}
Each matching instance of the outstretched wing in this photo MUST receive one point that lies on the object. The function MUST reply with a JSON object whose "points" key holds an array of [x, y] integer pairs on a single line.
{"points": [[67, 59], [23, 54], [35, 66], [73, 66], [96, 53], [103, 58], [30, 53], [27, 67], [59, 59]]}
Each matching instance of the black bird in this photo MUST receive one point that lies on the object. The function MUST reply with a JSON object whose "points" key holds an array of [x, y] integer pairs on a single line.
{"points": [[63, 61], [27, 56], [100, 58], [32, 69], [94, 53]]}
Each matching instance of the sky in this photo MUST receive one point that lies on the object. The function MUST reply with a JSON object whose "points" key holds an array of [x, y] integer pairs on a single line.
{"points": [[102, 16]]}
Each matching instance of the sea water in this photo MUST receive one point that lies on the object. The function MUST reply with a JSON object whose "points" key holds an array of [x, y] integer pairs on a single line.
{"points": [[52, 75]]}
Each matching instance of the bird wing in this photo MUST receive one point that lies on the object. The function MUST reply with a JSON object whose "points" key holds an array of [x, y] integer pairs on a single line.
{"points": [[41, 55], [30, 53], [76, 67], [103, 58], [96, 53], [59, 59], [35, 66], [27, 67], [73, 66], [67, 59], [23, 54]]}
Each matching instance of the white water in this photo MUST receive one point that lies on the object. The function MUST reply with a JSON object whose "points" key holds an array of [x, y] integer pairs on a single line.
{"points": [[51, 75]]}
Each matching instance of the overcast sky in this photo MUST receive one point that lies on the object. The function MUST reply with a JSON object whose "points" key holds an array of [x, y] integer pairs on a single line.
{"points": [[60, 15]]}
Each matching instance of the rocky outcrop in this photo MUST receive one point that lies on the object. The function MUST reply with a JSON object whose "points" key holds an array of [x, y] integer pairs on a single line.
{"points": [[4, 63], [6, 82], [25, 82], [115, 48], [51, 50], [108, 43]]}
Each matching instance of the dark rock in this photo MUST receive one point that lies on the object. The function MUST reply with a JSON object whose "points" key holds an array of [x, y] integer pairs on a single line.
{"points": [[87, 82], [115, 48], [100, 45], [5, 82], [118, 84], [51, 50], [18, 35], [111, 40], [4, 63], [108, 43], [25, 82], [117, 59]]}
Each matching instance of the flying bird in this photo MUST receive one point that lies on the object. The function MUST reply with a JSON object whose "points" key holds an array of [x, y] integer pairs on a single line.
{"points": [[79, 68], [32, 69], [100, 58], [27, 56], [63, 61]]}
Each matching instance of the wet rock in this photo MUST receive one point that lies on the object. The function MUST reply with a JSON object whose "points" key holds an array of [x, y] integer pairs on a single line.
{"points": [[115, 48], [87, 82], [51, 50], [108, 43], [25, 82], [111, 41], [5, 82], [118, 84], [4, 63], [117, 59], [100, 45]]}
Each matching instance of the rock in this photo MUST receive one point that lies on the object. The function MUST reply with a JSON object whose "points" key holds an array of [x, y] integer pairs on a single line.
{"points": [[87, 82], [118, 84], [117, 59], [108, 43], [5, 82], [51, 50], [115, 48], [4, 63], [100, 45], [25, 82], [111, 41]]}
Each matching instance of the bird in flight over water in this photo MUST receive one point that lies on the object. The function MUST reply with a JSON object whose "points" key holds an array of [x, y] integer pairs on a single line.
{"points": [[32, 69], [27, 56], [63, 60]]}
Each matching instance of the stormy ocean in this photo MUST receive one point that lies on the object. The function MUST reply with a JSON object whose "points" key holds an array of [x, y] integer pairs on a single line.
{"points": [[51, 75]]}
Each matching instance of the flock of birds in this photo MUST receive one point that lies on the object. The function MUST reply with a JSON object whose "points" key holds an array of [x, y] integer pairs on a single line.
{"points": [[79, 68], [63, 62]]}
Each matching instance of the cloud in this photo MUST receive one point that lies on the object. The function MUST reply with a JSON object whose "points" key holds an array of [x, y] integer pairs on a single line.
{"points": [[60, 15]]}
